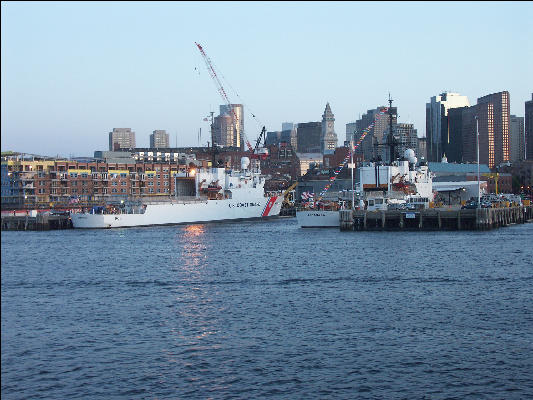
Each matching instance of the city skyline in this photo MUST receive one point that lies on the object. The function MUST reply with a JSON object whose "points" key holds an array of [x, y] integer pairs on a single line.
{"points": [[71, 72]]}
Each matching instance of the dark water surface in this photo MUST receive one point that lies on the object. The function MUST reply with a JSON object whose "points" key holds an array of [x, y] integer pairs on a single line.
{"points": [[257, 310]]}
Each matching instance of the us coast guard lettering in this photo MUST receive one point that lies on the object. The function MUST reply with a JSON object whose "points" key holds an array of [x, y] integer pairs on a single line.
{"points": [[251, 204]]}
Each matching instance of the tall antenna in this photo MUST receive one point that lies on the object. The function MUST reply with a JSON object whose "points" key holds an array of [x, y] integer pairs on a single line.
{"points": [[391, 142]]}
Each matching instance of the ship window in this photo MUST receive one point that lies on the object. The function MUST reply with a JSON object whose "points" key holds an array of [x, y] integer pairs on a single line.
{"points": [[379, 201]]}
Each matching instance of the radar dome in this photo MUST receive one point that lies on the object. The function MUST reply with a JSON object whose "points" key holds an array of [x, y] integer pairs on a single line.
{"points": [[245, 162]]}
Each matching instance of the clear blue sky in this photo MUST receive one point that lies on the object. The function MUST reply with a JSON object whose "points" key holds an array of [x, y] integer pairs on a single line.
{"points": [[73, 71]]}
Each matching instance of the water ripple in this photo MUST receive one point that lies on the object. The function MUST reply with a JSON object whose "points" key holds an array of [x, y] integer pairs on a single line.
{"points": [[267, 310]]}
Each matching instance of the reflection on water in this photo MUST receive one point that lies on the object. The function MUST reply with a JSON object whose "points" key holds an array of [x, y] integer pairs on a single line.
{"points": [[192, 241]]}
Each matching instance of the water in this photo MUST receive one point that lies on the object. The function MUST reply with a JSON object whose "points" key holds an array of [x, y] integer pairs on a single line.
{"points": [[256, 310]]}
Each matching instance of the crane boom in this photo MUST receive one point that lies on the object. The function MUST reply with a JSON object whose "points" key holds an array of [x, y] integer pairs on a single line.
{"points": [[222, 93]]}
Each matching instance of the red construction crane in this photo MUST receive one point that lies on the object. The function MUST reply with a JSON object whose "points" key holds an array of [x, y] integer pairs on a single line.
{"points": [[223, 94]]}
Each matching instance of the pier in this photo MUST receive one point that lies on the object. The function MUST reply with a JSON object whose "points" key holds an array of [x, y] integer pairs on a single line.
{"points": [[434, 219], [40, 222]]}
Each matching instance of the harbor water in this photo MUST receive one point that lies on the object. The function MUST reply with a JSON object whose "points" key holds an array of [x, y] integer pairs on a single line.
{"points": [[267, 310]]}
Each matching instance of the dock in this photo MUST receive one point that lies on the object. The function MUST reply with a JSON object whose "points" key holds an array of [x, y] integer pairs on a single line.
{"points": [[40, 222], [434, 219]]}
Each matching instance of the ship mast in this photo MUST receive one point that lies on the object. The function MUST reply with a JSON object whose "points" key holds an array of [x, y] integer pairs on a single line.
{"points": [[391, 142], [213, 148]]}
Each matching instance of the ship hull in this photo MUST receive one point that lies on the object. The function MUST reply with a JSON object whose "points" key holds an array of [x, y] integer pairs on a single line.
{"points": [[174, 213], [318, 219]]}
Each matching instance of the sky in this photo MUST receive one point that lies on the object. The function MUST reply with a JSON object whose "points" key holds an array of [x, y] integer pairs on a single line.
{"points": [[73, 71]]}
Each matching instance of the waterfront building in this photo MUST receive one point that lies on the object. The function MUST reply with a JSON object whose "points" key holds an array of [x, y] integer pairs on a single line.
{"points": [[437, 122], [308, 137], [517, 139], [121, 138], [159, 139], [45, 181], [528, 119], [281, 168], [11, 186], [328, 137]]}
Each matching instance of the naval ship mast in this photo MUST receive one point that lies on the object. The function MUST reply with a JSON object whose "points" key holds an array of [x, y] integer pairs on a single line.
{"points": [[391, 140]]}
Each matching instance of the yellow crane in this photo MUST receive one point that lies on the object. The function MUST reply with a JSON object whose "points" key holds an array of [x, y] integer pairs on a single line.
{"points": [[286, 192]]}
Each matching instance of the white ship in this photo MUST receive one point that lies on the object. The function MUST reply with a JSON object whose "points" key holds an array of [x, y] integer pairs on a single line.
{"points": [[209, 195], [317, 218], [401, 185]]}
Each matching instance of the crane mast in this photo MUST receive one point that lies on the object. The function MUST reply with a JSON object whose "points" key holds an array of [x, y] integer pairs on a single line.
{"points": [[222, 93]]}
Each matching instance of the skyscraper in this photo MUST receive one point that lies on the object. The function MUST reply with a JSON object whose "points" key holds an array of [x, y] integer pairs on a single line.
{"points": [[224, 132], [351, 127], [453, 146], [516, 139], [230, 133], [493, 114], [121, 138], [406, 138], [308, 137], [437, 122], [529, 128], [328, 137], [159, 139], [499, 103]]}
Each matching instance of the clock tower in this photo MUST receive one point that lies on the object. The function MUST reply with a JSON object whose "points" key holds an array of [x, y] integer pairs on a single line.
{"points": [[328, 138]]}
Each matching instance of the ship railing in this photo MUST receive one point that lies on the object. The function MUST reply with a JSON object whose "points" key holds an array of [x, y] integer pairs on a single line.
{"points": [[175, 200]]}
